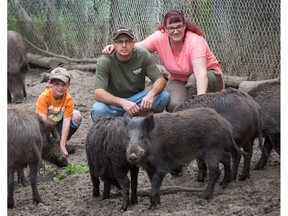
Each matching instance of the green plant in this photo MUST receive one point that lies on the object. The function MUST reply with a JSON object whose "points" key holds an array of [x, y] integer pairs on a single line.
{"points": [[70, 169], [43, 187]]}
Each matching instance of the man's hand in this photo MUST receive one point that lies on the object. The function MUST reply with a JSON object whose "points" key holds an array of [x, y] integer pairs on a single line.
{"points": [[131, 107], [147, 102]]}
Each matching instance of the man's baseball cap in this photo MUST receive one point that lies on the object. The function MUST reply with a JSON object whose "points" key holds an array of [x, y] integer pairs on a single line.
{"points": [[60, 74], [123, 30]]}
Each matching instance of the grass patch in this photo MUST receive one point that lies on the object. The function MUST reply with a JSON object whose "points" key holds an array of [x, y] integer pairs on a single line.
{"points": [[70, 169], [43, 187]]}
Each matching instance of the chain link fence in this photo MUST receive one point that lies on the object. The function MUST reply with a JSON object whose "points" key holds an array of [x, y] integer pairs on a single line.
{"points": [[244, 35]]}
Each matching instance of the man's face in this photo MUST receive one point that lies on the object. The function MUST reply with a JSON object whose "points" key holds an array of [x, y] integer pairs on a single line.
{"points": [[123, 45]]}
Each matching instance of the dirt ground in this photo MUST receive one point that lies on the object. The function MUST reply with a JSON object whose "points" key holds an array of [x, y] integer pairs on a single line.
{"points": [[258, 195]]}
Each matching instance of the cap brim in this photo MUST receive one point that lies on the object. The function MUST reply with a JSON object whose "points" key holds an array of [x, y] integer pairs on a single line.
{"points": [[62, 78], [131, 36]]}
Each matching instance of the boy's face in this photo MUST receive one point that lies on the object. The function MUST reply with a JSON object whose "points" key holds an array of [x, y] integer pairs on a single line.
{"points": [[58, 88]]}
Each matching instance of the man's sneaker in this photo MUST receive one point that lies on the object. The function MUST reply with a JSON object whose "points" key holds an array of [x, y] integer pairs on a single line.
{"points": [[70, 149]]}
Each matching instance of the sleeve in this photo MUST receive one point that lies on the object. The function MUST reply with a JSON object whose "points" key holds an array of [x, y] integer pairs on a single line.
{"points": [[198, 48], [102, 74], [69, 108], [152, 71], [42, 105], [150, 43]]}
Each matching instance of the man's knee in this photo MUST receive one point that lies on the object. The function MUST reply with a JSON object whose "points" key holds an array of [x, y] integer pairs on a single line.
{"points": [[101, 109], [161, 101]]}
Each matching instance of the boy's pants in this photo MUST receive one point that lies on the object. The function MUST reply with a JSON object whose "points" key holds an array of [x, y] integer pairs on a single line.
{"points": [[74, 125], [101, 109]]}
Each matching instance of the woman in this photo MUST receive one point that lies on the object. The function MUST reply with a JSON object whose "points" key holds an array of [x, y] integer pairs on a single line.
{"points": [[193, 68]]}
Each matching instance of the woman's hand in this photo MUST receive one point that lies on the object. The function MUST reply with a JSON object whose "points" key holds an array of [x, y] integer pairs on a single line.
{"points": [[108, 49]]}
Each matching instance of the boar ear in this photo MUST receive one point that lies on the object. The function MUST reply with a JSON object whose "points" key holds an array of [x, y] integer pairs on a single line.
{"points": [[52, 131], [148, 122], [127, 118]]}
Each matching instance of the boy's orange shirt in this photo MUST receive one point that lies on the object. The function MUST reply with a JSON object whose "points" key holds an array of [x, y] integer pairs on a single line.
{"points": [[55, 111]]}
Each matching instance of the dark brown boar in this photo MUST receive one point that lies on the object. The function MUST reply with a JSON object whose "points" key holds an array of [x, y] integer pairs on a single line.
{"points": [[244, 115], [106, 157], [267, 95], [30, 139], [163, 141], [17, 67]]}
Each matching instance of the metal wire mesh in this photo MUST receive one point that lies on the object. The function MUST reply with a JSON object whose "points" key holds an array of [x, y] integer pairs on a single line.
{"points": [[244, 35]]}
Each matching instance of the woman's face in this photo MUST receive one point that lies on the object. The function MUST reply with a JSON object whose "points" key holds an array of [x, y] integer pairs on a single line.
{"points": [[176, 31]]}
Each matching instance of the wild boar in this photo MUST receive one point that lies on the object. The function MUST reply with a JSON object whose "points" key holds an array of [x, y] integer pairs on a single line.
{"points": [[267, 95], [244, 115], [29, 141], [106, 156], [163, 141], [17, 67]]}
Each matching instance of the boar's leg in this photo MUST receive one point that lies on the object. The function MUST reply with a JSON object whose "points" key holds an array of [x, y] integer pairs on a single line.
{"points": [[264, 157], [94, 178], [124, 182], [21, 178], [33, 180], [96, 183], [156, 179], [134, 184], [270, 142], [9, 97], [214, 173], [10, 188], [24, 87], [226, 161], [275, 140], [236, 157], [247, 161], [202, 169], [107, 188]]}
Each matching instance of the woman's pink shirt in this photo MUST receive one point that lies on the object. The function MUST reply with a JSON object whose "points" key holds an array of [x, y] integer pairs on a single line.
{"points": [[180, 67]]}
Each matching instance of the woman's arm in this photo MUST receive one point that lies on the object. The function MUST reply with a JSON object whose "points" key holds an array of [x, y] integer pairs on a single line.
{"points": [[200, 72], [109, 48]]}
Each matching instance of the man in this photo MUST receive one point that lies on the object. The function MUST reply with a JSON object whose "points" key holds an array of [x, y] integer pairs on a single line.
{"points": [[120, 80]]}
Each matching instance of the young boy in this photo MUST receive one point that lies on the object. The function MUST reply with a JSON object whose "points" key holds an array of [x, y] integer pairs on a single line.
{"points": [[56, 106]]}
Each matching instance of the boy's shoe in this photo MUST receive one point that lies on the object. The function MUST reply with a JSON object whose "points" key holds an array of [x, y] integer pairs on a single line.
{"points": [[70, 149]]}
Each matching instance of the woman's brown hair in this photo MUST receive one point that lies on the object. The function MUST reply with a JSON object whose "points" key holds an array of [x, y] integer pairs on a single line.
{"points": [[174, 16]]}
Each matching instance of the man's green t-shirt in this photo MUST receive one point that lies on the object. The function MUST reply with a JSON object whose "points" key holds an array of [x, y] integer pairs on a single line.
{"points": [[124, 79]]}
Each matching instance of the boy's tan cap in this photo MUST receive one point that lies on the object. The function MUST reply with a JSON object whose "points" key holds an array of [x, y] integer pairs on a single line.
{"points": [[60, 74]]}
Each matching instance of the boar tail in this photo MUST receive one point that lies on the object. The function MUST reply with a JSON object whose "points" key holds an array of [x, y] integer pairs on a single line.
{"points": [[233, 144]]}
